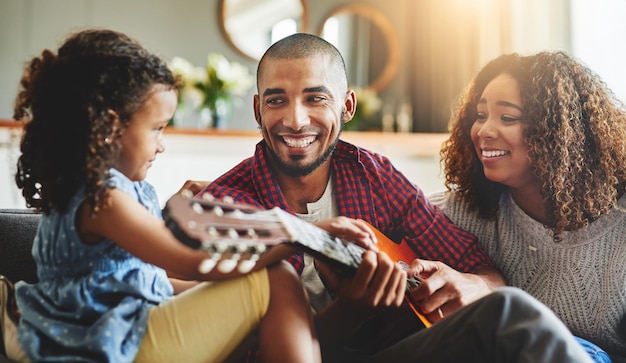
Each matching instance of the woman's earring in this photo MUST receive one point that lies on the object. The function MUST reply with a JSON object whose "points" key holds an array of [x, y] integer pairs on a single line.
{"points": [[107, 140]]}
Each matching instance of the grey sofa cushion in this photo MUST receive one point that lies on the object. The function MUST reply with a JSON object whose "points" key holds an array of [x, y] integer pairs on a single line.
{"points": [[17, 231]]}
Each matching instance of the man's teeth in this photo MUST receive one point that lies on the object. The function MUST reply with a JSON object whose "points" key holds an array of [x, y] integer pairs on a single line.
{"points": [[299, 142], [494, 153]]}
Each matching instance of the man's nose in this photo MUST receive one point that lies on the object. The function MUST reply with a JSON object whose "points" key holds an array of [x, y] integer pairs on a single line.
{"points": [[297, 116]]}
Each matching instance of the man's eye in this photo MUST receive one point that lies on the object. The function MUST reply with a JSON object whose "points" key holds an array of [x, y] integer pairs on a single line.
{"points": [[316, 98], [274, 101]]}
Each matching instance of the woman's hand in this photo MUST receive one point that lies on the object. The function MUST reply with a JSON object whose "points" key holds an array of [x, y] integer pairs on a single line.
{"points": [[444, 289]]}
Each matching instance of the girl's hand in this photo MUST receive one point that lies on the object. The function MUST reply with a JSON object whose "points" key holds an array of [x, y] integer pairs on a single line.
{"points": [[194, 186]]}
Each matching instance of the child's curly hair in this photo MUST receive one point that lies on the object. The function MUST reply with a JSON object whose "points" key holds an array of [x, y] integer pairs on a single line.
{"points": [[576, 131], [75, 105]]}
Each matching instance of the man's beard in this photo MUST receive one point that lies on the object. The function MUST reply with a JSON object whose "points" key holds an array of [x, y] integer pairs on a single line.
{"points": [[296, 171]]}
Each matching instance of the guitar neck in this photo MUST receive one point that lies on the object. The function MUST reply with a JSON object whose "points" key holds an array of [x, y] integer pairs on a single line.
{"points": [[320, 243], [218, 227], [237, 236]]}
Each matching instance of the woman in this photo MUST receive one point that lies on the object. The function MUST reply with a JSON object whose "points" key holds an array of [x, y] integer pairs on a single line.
{"points": [[536, 167]]}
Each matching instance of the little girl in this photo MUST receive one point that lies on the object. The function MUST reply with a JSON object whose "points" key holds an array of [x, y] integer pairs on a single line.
{"points": [[95, 114]]}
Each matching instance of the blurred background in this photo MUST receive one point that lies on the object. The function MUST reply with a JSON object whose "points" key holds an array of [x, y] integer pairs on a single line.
{"points": [[412, 57]]}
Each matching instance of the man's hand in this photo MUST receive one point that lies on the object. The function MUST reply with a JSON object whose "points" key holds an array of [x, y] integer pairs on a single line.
{"points": [[445, 289], [353, 230], [378, 282]]}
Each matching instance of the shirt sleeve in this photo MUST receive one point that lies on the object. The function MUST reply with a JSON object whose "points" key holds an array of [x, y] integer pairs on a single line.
{"points": [[424, 227]]}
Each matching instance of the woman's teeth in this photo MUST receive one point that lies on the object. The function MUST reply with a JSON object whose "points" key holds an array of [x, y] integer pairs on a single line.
{"points": [[494, 153]]}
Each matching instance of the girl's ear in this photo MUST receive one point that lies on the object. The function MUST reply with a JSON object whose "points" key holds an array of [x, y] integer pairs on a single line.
{"points": [[115, 126]]}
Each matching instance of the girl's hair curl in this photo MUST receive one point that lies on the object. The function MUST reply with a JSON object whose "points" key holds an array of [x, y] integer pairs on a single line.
{"points": [[75, 105]]}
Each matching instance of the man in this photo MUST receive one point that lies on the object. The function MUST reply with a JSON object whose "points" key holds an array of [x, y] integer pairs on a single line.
{"points": [[302, 166]]}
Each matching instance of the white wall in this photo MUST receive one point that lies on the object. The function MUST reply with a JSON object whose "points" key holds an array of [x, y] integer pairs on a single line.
{"points": [[599, 40], [205, 157]]}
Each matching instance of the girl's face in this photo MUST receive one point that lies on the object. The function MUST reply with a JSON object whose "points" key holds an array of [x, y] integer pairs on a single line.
{"points": [[142, 139], [498, 137]]}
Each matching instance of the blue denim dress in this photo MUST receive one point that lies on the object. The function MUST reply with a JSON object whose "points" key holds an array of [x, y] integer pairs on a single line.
{"points": [[91, 302]]}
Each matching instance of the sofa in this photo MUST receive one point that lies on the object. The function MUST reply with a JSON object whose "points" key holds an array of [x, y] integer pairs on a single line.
{"points": [[17, 231]]}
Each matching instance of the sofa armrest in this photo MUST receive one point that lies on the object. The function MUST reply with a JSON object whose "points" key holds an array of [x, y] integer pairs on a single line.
{"points": [[17, 232]]}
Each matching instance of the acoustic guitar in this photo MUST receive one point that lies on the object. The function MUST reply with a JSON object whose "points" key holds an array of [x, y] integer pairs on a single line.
{"points": [[239, 238]]}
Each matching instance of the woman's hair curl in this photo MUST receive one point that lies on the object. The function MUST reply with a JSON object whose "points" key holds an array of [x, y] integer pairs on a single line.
{"points": [[575, 128]]}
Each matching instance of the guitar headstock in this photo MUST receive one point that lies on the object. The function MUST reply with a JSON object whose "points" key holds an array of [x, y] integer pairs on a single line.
{"points": [[234, 235]]}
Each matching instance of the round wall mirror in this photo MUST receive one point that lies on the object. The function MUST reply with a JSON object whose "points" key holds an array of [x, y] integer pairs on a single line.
{"points": [[251, 26], [367, 41]]}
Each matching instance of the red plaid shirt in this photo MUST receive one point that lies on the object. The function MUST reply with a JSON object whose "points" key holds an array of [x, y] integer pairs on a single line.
{"points": [[369, 187]]}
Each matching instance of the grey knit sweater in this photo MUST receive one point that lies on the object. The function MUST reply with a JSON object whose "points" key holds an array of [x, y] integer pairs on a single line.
{"points": [[580, 275]]}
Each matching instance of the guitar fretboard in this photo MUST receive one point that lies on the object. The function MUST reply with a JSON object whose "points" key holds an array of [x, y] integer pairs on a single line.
{"points": [[317, 240]]}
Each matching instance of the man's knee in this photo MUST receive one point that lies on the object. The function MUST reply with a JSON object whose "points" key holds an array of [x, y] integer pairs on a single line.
{"points": [[510, 303]]}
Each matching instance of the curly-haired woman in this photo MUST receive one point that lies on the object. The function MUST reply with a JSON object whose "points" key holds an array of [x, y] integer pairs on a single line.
{"points": [[536, 167]]}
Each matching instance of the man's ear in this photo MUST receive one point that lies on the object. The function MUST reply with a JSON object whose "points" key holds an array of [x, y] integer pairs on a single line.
{"points": [[257, 109], [349, 106]]}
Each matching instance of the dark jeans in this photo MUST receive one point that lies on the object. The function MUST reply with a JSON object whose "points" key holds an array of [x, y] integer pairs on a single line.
{"points": [[506, 326]]}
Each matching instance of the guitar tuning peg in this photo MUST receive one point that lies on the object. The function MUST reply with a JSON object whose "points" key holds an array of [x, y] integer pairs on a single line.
{"points": [[212, 231], [207, 265], [260, 248], [186, 193], [218, 211], [246, 266], [237, 213], [227, 266], [241, 247], [228, 199], [221, 246], [196, 207], [208, 197], [251, 233], [232, 233]]}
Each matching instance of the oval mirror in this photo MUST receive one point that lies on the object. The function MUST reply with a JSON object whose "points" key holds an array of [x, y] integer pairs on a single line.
{"points": [[251, 26], [367, 41]]}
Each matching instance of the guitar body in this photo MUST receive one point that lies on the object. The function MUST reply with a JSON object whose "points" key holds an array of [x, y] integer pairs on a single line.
{"points": [[403, 255], [398, 252], [241, 238]]}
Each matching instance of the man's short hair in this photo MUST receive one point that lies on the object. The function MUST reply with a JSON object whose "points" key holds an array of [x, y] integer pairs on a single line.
{"points": [[304, 45]]}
